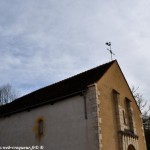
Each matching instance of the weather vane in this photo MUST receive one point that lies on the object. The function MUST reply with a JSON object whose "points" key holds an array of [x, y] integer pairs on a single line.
{"points": [[111, 53]]}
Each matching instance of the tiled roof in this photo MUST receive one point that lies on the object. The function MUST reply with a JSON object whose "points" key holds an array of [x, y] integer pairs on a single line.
{"points": [[55, 91]]}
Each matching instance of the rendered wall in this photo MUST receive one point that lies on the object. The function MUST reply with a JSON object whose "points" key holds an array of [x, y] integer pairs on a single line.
{"points": [[113, 79], [65, 125]]}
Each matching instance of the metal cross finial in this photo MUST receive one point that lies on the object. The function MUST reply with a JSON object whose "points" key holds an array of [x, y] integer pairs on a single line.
{"points": [[111, 53]]}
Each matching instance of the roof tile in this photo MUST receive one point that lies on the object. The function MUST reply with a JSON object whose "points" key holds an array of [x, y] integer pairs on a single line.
{"points": [[52, 92]]}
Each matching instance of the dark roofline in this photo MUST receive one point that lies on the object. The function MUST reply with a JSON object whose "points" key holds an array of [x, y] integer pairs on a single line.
{"points": [[51, 102], [129, 87], [56, 91]]}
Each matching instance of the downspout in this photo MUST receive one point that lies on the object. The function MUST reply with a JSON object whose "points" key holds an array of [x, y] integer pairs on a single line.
{"points": [[85, 105]]}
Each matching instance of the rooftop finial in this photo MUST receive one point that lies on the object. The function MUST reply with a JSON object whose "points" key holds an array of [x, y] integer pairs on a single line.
{"points": [[111, 53]]}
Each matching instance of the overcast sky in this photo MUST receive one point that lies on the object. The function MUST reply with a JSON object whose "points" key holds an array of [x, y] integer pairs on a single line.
{"points": [[44, 41]]}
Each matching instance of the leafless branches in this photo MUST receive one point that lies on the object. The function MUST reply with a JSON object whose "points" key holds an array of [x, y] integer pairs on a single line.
{"points": [[142, 103], [7, 94]]}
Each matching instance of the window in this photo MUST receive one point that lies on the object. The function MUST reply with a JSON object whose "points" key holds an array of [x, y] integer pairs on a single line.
{"points": [[129, 113], [40, 127], [117, 110], [124, 117]]}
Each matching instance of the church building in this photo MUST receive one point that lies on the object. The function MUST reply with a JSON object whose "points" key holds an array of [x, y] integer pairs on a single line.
{"points": [[94, 110]]}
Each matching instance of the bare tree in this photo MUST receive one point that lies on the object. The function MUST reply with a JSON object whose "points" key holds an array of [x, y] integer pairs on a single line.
{"points": [[141, 102], [145, 110], [7, 94]]}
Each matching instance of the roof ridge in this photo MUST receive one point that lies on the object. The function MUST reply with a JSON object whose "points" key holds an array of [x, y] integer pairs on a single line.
{"points": [[62, 88], [85, 71], [71, 77]]}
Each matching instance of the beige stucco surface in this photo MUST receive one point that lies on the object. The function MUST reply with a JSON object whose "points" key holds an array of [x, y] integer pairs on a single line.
{"points": [[113, 79]]}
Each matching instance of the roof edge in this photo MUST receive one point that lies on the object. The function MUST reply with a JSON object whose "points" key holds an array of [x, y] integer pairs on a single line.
{"points": [[128, 87]]}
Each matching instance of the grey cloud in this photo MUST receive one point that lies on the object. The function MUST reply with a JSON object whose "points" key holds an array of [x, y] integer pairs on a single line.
{"points": [[42, 42]]}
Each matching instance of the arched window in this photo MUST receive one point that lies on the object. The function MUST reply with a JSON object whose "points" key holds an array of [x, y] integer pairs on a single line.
{"points": [[131, 147]]}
